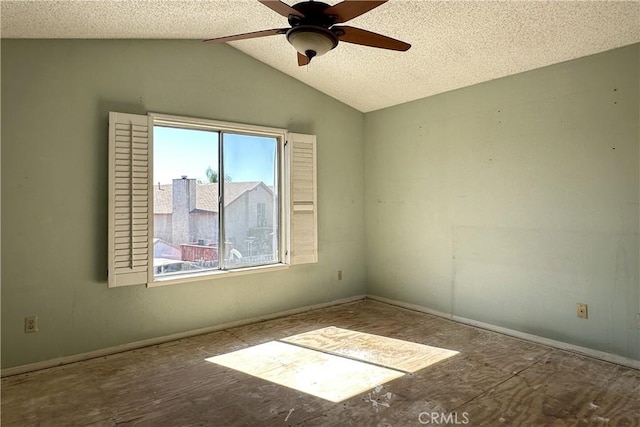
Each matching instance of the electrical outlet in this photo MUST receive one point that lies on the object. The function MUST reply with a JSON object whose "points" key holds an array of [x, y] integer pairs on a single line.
{"points": [[339, 274], [582, 311], [31, 324]]}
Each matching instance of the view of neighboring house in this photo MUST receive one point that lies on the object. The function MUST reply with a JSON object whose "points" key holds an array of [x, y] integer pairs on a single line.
{"points": [[186, 219]]}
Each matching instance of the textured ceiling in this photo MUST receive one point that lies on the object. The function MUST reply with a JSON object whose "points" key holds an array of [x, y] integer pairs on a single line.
{"points": [[454, 43]]}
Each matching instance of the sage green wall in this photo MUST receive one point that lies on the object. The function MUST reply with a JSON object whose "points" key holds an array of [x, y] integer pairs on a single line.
{"points": [[507, 202], [510, 201], [56, 96]]}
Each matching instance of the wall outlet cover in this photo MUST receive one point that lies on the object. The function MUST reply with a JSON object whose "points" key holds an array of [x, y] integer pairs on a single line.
{"points": [[582, 311], [31, 324]]}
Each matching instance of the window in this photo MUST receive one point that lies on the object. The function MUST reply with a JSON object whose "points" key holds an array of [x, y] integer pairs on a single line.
{"points": [[207, 185], [192, 198], [261, 215]]}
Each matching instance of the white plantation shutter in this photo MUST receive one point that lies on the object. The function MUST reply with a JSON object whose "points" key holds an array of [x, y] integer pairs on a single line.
{"points": [[304, 203], [129, 202]]}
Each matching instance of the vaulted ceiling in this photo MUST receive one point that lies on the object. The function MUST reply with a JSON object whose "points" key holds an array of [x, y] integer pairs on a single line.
{"points": [[454, 43]]}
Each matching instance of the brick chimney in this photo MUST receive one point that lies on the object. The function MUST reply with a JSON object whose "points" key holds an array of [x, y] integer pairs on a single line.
{"points": [[184, 202]]}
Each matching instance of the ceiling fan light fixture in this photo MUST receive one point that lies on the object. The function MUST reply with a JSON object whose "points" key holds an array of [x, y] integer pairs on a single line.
{"points": [[311, 41]]}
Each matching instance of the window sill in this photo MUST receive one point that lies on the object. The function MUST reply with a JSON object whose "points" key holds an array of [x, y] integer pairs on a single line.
{"points": [[225, 274]]}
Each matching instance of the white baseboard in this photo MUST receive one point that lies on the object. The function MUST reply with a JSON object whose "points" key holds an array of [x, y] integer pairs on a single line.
{"points": [[16, 370], [608, 357]]}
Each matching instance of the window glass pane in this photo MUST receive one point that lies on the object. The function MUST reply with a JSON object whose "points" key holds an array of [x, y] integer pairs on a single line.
{"points": [[250, 200], [185, 211]]}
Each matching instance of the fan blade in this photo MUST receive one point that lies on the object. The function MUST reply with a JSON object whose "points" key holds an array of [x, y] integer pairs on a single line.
{"points": [[367, 38], [349, 9], [252, 35], [281, 8], [302, 60]]}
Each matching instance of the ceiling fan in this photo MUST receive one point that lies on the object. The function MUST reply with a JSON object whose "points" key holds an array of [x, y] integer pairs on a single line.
{"points": [[313, 31]]}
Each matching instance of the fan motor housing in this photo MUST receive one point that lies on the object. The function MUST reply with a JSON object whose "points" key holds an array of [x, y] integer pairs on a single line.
{"points": [[313, 12]]}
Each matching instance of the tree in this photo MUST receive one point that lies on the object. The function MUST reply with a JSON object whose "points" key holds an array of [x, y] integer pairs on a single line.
{"points": [[212, 176]]}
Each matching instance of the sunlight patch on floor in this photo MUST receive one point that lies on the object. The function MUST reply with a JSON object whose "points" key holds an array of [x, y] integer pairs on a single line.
{"points": [[389, 352], [332, 363], [323, 375]]}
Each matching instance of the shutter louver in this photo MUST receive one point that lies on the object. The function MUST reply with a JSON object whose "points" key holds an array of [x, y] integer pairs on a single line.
{"points": [[129, 201], [304, 212]]}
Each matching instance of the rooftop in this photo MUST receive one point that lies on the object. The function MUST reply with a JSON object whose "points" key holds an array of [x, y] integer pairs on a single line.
{"points": [[206, 195]]}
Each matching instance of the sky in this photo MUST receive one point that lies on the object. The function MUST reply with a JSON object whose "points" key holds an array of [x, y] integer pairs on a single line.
{"points": [[178, 152]]}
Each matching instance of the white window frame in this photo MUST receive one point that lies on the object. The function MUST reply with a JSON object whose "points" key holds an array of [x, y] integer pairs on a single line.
{"points": [[289, 206]]}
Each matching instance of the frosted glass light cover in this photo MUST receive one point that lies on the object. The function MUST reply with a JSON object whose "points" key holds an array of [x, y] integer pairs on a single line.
{"points": [[304, 40]]}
